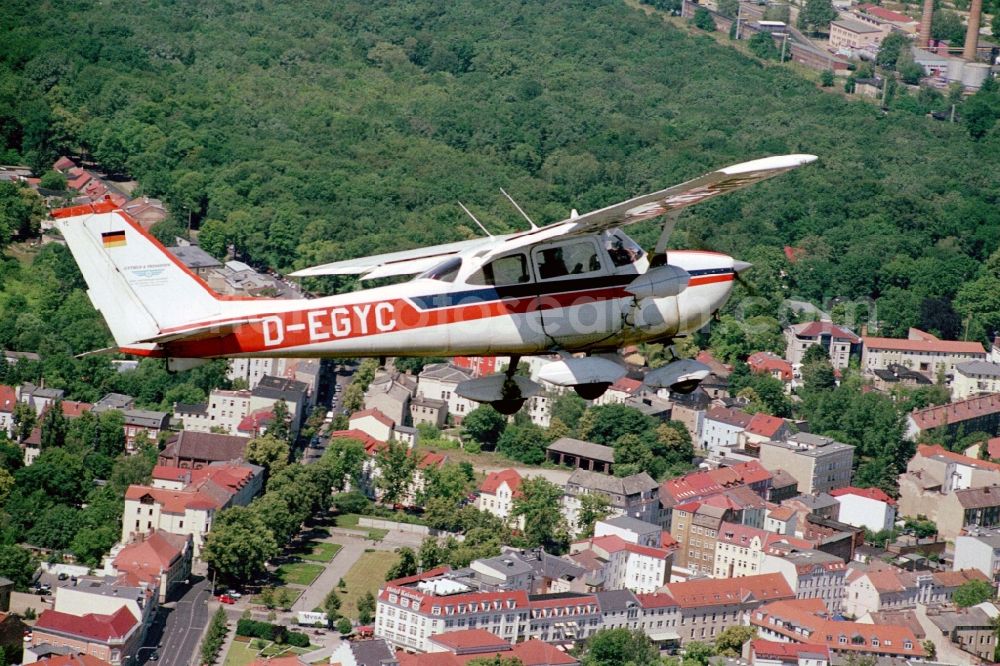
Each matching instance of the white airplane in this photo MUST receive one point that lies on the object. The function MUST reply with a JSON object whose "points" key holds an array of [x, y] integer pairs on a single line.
{"points": [[579, 285]]}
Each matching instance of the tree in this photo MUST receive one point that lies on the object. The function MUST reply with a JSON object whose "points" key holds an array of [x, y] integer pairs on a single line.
{"points": [[543, 526], [608, 423], [54, 426], [730, 642], [344, 626], [395, 471], [18, 565], [406, 566], [729, 8], [281, 424], [484, 425], [947, 25], [613, 647], [354, 397], [973, 592], [366, 608], [891, 48], [524, 442], [269, 452], [826, 78], [331, 606], [697, 652], [817, 15], [703, 19], [778, 12], [593, 507], [762, 46], [568, 407], [53, 180], [214, 637], [239, 544], [24, 418], [430, 554], [496, 660], [343, 461]]}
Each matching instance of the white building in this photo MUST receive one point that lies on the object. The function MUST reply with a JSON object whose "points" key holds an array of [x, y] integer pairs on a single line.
{"points": [[813, 574], [630, 529], [628, 566], [974, 378], [866, 507], [497, 493], [438, 381], [721, 429], [921, 351], [979, 551]]}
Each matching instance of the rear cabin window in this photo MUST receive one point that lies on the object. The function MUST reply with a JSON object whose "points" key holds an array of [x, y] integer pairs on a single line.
{"points": [[512, 269], [575, 258]]}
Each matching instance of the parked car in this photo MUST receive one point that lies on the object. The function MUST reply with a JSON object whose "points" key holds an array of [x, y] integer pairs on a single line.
{"points": [[234, 594], [226, 599], [63, 576]]}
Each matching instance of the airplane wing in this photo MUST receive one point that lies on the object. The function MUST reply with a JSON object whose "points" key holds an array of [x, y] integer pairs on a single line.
{"points": [[406, 262]]}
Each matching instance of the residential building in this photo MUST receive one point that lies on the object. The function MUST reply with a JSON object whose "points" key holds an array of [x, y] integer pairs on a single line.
{"points": [[848, 36], [497, 493], [721, 429], [809, 621], [116, 401], [620, 609], [439, 380], [783, 485], [971, 629], [981, 414], [979, 549], [890, 588], [146, 211], [110, 637], [195, 450], [839, 342], [750, 476], [192, 417], [252, 369], [637, 495], [813, 574], [690, 409], [630, 529], [870, 508], [739, 550], [294, 393], [953, 490], [620, 392], [107, 595], [921, 351], [762, 428], [768, 363], [160, 558], [143, 420], [39, 397], [886, 379], [190, 511], [200, 262], [627, 566], [366, 652], [456, 648], [8, 401], [818, 463], [390, 393], [706, 607], [374, 423], [660, 618], [763, 652], [974, 378], [581, 454], [696, 526], [428, 410], [780, 520]]}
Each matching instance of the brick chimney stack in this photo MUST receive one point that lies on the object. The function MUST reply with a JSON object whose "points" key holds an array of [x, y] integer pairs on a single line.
{"points": [[972, 35], [924, 39]]}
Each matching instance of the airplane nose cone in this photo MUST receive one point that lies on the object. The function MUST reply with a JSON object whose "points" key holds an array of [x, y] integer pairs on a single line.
{"points": [[740, 266]]}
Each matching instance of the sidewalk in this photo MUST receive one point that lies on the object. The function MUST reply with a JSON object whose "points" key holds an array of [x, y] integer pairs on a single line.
{"points": [[342, 562]]}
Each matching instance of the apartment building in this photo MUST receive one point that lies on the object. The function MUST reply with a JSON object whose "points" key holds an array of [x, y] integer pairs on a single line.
{"points": [[813, 574], [706, 607], [838, 342], [920, 351], [819, 464], [636, 496]]}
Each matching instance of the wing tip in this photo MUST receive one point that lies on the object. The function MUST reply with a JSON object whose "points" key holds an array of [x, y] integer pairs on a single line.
{"points": [[770, 163]]}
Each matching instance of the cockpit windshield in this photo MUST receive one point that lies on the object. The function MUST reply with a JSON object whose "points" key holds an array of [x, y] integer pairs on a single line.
{"points": [[445, 271], [622, 249]]}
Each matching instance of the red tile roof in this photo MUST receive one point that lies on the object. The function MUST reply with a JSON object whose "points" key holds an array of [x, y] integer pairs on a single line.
{"points": [[8, 398], [531, 652], [930, 346], [788, 651], [175, 501], [992, 446], [612, 544], [492, 482], [712, 592], [806, 619], [354, 433], [815, 329], [887, 14], [254, 421], [171, 473], [148, 558], [715, 365], [956, 412], [766, 362], [765, 425], [63, 163], [626, 385], [374, 413], [930, 451], [870, 493], [466, 639], [91, 626], [656, 600]]}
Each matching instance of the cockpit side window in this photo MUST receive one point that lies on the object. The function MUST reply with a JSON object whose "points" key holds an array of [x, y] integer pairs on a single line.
{"points": [[573, 258], [445, 271], [622, 249], [512, 269]]}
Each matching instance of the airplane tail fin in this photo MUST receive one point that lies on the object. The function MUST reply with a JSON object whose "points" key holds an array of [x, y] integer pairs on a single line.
{"points": [[143, 291]]}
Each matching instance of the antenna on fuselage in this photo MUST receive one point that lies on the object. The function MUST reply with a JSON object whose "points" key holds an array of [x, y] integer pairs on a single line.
{"points": [[519, 209], [478, 223]]}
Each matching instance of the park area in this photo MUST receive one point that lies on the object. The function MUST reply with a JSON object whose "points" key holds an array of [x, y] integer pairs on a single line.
{"points": [[367, 575], [245, 650]]}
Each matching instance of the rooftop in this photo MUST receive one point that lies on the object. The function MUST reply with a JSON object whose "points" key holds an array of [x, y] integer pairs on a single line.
{"points": [[578, 447], [629, 485], [856, 26], [194, 257], [814, 329], [918, 340], [493, 480], [983, 368], [631, 524], [716, 592], [102, 628], [205, 446]]}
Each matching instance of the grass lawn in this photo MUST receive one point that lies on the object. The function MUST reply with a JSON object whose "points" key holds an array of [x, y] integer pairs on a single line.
{"points": [[243, 654], [348, 520], [300, 573], [367, 574], [322, 552]]}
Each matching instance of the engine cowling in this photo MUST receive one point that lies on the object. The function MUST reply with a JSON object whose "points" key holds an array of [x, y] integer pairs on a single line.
{"points": [[659, 282]]}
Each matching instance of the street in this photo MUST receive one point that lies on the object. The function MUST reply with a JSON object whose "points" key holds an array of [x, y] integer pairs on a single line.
{"points": [[178, 630]]}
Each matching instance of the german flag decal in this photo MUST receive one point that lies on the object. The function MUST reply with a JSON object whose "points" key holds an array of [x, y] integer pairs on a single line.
{"points": [[113, 238]]}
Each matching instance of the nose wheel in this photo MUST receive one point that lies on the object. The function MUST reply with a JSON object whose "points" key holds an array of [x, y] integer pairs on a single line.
{"points": [[591, 391], [511, 398]]}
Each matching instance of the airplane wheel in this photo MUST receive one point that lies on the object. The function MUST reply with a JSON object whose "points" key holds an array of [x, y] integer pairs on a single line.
{"points": [[591, 391], [508, 407], [684, 387]]}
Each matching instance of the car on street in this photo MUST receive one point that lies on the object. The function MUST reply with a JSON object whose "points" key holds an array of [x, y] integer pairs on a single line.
{"points": [[226, 599]]}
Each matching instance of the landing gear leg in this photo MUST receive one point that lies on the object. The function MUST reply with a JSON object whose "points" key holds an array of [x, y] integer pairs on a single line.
{"points": [[511, 400]]}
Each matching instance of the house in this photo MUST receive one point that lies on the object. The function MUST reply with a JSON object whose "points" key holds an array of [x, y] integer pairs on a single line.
{"points": [[159, 557], [626, 565], [704, 484], [839, 342], [110, 637], [116, 401], [374, 423], [898, 375], [767, 363], [890, 588], [456, 648], [295, 394], [439, 380], [865, 507], [721, 429], [809, 621], [780, 520], [428, 410], [974, 378], [497, 493], [581, 454], [980, 550], [198, 261], [953, 490], [108, 595], [762, 428], [971, 629], [706, 606], [920, 351], [144, 420], [637, 496], [980, 414], [818, 463], [620, 392], [897, 20], [695, 526], [631, 530], [783, 486], [255, 423], [391, 395], [813, 574], [39, 397], [195, 450], [849, 36], [8, 401], [773, 653]]}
